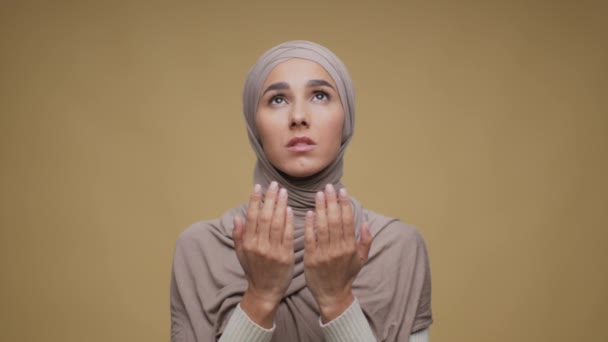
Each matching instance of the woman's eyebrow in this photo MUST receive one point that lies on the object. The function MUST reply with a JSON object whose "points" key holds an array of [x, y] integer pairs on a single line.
{"points": [[309, 84], [276, 86], [317, 83]]}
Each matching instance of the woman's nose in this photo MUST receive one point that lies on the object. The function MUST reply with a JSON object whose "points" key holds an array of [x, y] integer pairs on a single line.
{"points": [[299, 117]]}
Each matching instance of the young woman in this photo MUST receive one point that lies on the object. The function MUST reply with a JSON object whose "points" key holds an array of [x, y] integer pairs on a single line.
{"points": [[302, 260]]}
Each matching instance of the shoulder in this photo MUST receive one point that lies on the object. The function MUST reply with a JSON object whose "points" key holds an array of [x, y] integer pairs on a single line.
{"points": [[220, 227], [384, 225], [197, 231], [404, 231], [200, 239], [209, 237]]}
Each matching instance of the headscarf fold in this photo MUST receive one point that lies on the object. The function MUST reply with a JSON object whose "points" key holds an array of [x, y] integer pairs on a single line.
{"points": [[393, 288]]}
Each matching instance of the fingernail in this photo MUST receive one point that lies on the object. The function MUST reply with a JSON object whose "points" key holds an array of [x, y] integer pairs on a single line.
{"points": [[343, 193], [257, 188], [320, 196], [329, 188], [289, 211], [282, 193], [273, 186], [309, 214]]}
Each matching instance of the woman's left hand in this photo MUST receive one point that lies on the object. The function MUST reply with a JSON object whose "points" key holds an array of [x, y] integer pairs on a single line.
{"points": [[333, 257]]}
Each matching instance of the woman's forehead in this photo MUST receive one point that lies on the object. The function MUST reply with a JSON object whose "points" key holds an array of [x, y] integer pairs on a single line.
{"points": [[298, 70]]}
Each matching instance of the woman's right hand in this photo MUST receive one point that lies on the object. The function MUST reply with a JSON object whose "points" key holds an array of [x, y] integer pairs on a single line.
{"points": [[264, 248]]}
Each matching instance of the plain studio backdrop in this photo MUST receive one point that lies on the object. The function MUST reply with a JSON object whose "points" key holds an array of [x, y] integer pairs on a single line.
{"points": [[483, 124]]}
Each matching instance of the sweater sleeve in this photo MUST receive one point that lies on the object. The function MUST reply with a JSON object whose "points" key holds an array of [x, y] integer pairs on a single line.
{"points": [[241, 328], [420, 336], [352, 326]]}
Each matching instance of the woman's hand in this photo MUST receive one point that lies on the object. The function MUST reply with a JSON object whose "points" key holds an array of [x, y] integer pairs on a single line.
{"points": [[333, 257], [264, 247]]}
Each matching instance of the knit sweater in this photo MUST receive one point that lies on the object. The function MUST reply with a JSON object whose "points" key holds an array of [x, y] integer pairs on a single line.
{"points": [[350, 326]]}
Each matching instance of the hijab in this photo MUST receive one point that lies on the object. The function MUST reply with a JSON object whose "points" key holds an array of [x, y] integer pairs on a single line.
{"points": [[207, 284], [301, 191]]}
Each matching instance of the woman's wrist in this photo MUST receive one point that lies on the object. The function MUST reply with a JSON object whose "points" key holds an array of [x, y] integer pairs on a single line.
{"points": [[331, 308], [260, 309]]}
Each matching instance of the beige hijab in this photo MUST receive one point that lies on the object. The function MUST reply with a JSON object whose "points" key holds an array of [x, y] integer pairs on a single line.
{"points": [[393, 288]]}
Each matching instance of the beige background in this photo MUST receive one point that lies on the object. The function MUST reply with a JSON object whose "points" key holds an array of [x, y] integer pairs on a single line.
{"points": [[485, 125]]}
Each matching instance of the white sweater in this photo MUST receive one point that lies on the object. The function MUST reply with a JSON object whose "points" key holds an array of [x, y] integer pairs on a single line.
{"points": [[350, 326]]}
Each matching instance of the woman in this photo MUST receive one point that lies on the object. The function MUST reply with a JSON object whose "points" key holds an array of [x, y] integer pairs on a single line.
{"points": [[302, 261]]}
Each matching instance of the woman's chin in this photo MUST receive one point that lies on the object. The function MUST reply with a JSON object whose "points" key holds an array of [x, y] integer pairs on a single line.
{"points": [[300, 172]]}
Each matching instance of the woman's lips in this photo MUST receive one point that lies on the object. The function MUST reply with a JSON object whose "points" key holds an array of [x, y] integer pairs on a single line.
{"points": [[301, 144], [301, 147]]}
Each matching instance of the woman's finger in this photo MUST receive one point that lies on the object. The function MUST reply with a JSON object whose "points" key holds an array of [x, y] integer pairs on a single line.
{"points": [[265, 217], [237, 236], [288, 234], [309, 235], [334, 216], [347, 218], [365, 243], [253, 209], [237, 233], [277, 226], [321, 216]]}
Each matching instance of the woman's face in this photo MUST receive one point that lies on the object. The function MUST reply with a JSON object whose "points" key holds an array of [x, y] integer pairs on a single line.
{"points": [[300, 117]]}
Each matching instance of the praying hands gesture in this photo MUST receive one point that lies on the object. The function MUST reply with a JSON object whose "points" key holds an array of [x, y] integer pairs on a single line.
{"points": [[333, 257]]}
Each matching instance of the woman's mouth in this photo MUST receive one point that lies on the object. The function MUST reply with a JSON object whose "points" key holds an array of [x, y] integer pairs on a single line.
{"points": [[301, 144]]}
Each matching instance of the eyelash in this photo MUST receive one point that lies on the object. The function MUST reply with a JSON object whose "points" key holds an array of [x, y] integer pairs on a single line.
{"points": [[277, 96], [322, 93], [282, 97]]}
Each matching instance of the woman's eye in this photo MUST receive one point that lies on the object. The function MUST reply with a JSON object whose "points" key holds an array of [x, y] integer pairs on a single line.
{"points": [[321, 96], [277, 100]]}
